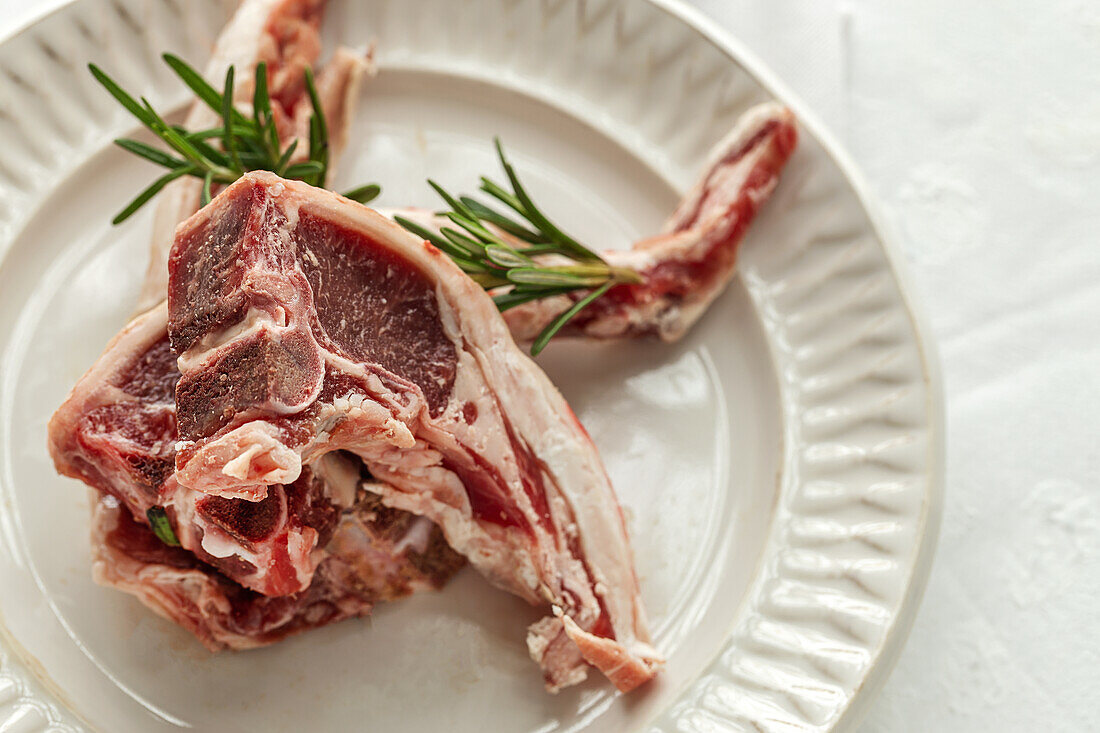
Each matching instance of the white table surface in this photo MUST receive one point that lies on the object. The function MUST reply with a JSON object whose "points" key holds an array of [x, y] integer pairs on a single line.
{"points": [[977, 125]]}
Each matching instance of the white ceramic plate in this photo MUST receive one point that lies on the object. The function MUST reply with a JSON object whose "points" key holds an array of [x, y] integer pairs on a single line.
{"points": [[780, 468]]}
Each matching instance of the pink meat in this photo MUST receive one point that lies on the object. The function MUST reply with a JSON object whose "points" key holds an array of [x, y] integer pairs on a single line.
{"points": [[284, 34], [117, 432], [306, 323], [370, 559], [690, 263], [321, 548]]}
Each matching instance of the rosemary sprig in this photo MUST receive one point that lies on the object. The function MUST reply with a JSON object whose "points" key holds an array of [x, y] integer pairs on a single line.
{"points": [[162, 526], [247, 143], [513, 271]]}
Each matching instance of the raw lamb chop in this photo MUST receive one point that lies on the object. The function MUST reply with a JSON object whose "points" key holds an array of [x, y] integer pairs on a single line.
{"points": [[117, 433], [376, 554], [171, 581], [117, 430], [689, 264], [284, 34], [306, 323]]}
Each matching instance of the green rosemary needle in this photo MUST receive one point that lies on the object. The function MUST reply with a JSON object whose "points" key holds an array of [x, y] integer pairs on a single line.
{"points": [[515, 273], [162, 526], [245, 143]]}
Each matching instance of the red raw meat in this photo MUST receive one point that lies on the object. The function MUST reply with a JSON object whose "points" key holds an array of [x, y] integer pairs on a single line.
{"points": [[376, 554], [117, 433], [306, 323], [286, 36], [689, 264]]}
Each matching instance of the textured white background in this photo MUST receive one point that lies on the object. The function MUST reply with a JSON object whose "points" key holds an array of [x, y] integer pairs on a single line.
{"points": [[977, 125]]}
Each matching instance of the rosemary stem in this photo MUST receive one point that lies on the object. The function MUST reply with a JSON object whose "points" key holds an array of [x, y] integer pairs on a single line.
{"points": [[625, 275], [248, 143]]}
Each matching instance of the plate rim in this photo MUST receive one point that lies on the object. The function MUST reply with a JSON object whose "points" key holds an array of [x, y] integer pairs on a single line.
{"points": [[928, 529], [931, 521]]}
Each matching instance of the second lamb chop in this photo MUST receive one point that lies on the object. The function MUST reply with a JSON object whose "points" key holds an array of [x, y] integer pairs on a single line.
{"points": [[237, 574]]}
